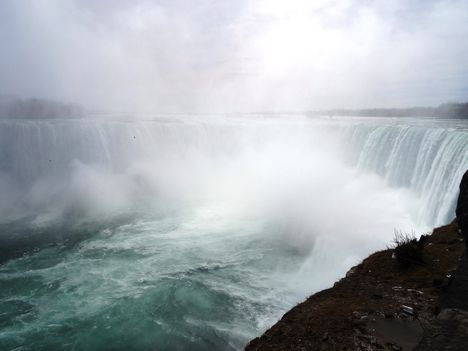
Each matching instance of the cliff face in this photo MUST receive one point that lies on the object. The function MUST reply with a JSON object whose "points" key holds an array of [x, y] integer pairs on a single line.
{"points": [[381, 305]]}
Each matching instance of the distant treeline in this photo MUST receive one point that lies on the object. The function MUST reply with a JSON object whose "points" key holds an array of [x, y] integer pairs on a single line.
{"points": [[37, 108], [447, 110], [11, 107]]}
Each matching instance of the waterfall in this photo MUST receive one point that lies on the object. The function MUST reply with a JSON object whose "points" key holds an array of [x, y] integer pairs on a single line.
{"points": [[427, 158]]}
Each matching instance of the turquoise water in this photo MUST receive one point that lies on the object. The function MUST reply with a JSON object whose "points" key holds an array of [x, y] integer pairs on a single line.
{"points": [[178, 282], [198, 234]]}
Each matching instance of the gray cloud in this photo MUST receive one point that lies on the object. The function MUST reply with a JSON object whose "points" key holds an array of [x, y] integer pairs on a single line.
{"points": [[235, 55]]}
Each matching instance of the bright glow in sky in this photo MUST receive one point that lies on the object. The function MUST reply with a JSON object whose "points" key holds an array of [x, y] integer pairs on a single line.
{"points": [[265, 55]]}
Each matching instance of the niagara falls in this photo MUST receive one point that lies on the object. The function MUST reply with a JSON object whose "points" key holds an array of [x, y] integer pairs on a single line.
{"points": [[218, 176]]}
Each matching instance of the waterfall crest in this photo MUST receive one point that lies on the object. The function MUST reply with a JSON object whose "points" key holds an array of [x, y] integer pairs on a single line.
{"points": [[430, 161]]}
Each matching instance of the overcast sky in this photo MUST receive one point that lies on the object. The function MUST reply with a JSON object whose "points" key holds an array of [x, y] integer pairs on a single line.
{"points": [[235, 55]]}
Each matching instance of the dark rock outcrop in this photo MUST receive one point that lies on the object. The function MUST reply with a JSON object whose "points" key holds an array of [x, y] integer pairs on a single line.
{"points": [[462, 208], [450, 329]]}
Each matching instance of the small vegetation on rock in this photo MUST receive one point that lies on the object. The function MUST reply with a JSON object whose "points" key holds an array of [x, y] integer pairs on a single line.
{"points": [[407, 249]]}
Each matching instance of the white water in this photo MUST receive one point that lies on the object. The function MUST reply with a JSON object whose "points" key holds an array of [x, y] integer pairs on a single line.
{"points": [[427, 157], [199, 232]]}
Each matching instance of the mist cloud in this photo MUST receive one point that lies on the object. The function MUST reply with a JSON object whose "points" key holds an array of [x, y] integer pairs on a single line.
{"points": [[185, 56]]}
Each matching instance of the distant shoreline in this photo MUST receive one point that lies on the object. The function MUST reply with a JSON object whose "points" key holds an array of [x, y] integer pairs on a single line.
{"points": [[447, 110], [15, 108]]}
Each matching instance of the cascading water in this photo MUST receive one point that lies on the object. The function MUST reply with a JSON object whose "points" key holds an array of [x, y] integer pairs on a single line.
{"points": [[197, 233], [429, 160]]}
